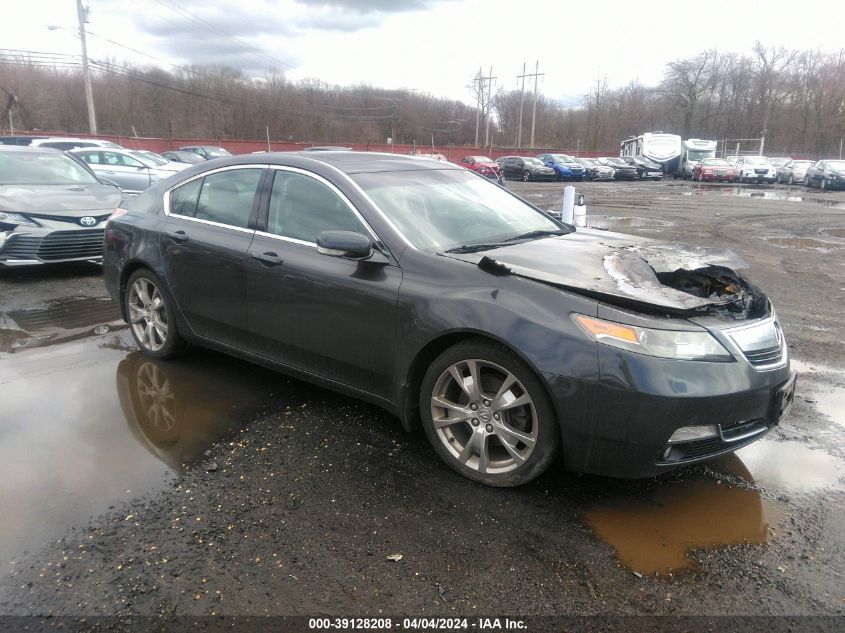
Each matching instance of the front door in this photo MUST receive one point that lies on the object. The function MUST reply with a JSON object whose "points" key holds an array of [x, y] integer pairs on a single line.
{"points": [[329, 316]]}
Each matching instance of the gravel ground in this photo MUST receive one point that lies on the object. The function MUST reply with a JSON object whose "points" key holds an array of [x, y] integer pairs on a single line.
{"points": [[300, 508]]}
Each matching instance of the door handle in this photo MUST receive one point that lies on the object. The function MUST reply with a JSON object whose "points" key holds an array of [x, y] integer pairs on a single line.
{"points": [[177, 236], [268, 259]]}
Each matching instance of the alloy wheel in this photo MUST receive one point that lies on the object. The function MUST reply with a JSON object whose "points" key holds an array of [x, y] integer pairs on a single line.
{"points": [[157, 401], [484, 416], [147, 314]]}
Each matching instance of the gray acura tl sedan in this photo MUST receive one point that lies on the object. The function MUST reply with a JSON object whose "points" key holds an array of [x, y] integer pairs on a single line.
{"points": [[512, 339], [52, 208]]}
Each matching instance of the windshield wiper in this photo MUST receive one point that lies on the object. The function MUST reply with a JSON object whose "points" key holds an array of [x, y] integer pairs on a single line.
{"points": [[534, 234], [474, 248]]}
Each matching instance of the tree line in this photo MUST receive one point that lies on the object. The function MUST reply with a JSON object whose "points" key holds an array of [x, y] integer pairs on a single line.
{"points": [[795, 98]]}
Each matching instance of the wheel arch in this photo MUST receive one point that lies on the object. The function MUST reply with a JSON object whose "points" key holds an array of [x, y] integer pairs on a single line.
{"points": [[410, 388]]}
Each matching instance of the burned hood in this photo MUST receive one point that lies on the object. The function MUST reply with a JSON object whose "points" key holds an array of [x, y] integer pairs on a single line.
{"points": [[59, 199], [630, 271]]}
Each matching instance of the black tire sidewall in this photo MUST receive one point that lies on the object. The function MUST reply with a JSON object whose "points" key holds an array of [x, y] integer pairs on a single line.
{"points": [[174, 344], [547, 447]]}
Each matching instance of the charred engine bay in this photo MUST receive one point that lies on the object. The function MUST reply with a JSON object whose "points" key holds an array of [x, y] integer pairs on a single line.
{"points": [[736, 298]]}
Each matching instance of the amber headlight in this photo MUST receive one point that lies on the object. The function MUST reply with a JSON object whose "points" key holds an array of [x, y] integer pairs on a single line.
{"points": [[679, 344]]}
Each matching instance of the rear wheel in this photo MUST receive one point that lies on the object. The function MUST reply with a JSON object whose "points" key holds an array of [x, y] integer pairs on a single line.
{"points": [[487, 414], [150, 314], [526, 176]]}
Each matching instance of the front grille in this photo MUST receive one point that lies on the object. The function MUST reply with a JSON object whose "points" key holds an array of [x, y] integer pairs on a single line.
{"points": [[770, 356], [20, 247], [71, 245], [70, 220], [761, 172]]}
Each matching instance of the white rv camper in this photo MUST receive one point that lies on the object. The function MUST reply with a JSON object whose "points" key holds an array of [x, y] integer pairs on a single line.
{"points": [[694, 150], [662, 148]]}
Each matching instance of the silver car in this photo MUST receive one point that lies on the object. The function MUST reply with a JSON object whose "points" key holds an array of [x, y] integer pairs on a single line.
{"points": [[131, 170], [794, 171], [52, 208]]}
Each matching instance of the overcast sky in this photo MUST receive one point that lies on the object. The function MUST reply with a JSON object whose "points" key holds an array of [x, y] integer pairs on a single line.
{"points": [[435, 46]]}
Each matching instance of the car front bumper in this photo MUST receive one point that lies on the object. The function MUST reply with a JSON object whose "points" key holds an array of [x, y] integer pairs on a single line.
{"points": [[620, 425]]}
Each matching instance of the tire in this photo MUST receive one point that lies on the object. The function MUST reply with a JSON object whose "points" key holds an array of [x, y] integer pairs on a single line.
{"points": [[150, 311], [823, 184], [526, 176], [505, 445]]}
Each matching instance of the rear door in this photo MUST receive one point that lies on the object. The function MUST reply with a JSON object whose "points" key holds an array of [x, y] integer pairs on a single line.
{"points": [[207, 231], [130, 174], [329, 316]]}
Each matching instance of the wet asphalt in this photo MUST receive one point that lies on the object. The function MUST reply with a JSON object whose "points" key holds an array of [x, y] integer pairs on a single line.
{"points": [[211, 486]]}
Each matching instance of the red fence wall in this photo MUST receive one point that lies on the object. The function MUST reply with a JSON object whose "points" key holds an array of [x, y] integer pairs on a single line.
{"points": [[454, 154]]}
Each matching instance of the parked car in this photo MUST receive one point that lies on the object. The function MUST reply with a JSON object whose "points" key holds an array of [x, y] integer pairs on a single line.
{"points": [[710, 169], [647, 169], [779, 161], [526, 169], [501, 160], [19, 140], [52, 207], [621, 169], [755, 168], [566, 167], [827, 174], [188, 158], [794, 171], [485, 166], [132, 170], [459, 307], [596, 170], [208, 152], [65, 143]]}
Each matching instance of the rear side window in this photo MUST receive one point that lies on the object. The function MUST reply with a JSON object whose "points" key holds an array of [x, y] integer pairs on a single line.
{"points": [[302, 207], [183, 199], [227, 197]]}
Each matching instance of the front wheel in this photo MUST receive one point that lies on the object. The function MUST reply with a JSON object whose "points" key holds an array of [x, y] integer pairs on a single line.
{"points": [[487, 414], [150, 314], [526, 176]]}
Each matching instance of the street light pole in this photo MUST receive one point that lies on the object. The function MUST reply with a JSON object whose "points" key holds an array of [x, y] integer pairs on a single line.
{"points": [[86, 75]]}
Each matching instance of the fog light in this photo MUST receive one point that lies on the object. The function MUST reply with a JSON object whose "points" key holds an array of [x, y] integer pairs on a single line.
{"points": [[691, 433], [667, 452]]}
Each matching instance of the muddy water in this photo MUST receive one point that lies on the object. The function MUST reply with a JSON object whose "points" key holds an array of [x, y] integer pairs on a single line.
{"points": [[655, 535], [617, 223], [788, 194], [803, 243], [87, 423]]}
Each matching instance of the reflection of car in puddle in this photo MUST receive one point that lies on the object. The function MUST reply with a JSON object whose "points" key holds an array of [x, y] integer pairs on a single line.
{"points": [[655, 535], [790, 194], [177, 409], [59, 321]]}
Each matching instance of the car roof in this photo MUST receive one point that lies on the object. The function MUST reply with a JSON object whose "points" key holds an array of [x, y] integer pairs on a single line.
{"points": [[29, 149], [348, 162]]}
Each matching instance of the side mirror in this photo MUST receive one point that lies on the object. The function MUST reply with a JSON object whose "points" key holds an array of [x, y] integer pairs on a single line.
{"points": [[346, 244]]}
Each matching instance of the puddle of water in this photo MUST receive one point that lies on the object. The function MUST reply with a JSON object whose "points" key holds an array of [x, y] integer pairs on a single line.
{"points": [[58, 321], [802, 243], [655, 536], [613, 223], [788, 467], [829, 403], [116, 428], [790, 194]]}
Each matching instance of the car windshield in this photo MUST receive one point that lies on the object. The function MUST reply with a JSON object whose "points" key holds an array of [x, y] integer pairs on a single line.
{"points": [[616, 161], [835, 164], [534, 162], [588, 162], [483, 159], [802, 163], [715, 162], [216, 152], [150, 157], [36, 168], [754, 160], [437, 210], [700, 154]]}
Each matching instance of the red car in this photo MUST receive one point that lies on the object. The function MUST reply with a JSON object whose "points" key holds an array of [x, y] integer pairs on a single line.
{"points": [[484, 166], [714, 169]]}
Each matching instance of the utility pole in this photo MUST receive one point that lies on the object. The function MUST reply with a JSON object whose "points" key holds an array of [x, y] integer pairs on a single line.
{"points": [[490, 79], [536, 76], [521, 103], [86, 75], [479, 88]]}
